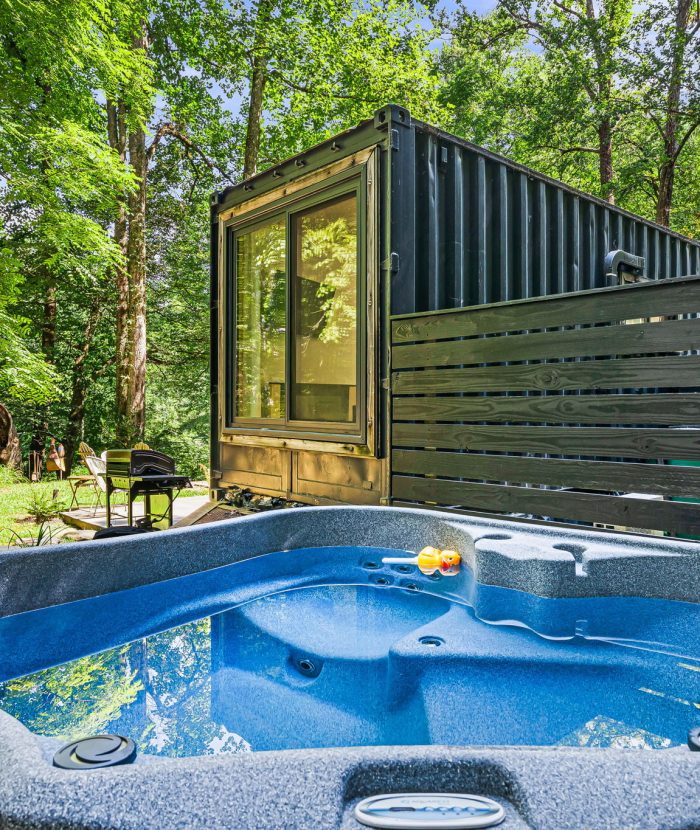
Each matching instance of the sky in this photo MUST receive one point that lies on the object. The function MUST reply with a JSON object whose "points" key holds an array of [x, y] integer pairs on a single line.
{"points": [[480, 6]]}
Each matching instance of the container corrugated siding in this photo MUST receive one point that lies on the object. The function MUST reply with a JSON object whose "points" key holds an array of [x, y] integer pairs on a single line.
{"points": [[487, 230]]}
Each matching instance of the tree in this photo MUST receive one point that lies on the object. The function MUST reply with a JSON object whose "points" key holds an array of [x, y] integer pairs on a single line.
{"points": [[491, 81], [584, 44], [309, 68], [23, 373], [126, 134], [170, 42], [528, 80], [666, 71], [60, 178], [10, 453]]}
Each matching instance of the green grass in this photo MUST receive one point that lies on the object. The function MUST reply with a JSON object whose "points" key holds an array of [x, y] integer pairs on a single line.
{"points": [[17, 495]]}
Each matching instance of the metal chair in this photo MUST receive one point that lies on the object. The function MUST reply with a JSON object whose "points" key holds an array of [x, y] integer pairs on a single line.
{"points": [[76, 482], [97, 469]]}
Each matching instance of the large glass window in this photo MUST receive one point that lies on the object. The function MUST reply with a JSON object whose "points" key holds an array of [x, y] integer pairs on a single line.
{"points": [[324, 295], [261, 320], [296, 296]]}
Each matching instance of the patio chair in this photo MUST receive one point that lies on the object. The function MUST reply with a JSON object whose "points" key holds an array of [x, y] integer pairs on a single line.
{"points": [[84, 450], [76, 482], [97, 468]]}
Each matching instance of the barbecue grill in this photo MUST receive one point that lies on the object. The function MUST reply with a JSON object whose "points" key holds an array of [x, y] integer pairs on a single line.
{"points": [[144, 473]]}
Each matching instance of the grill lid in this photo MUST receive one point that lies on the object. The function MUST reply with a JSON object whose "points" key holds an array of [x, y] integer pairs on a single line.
{"points": [[139, 463]]}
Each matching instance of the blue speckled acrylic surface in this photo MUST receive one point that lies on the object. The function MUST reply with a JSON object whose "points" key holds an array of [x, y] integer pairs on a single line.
{"points": [[328, 647]]}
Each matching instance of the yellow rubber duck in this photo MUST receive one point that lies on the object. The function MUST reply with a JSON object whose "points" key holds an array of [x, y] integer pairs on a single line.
{"points": [[431, 560]]}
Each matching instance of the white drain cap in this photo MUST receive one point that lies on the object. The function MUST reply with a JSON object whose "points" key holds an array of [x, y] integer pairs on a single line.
{"points": [[422, 811]]}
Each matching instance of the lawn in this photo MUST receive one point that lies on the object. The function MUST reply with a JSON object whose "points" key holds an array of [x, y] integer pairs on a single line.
{"points": [[21, 500]]}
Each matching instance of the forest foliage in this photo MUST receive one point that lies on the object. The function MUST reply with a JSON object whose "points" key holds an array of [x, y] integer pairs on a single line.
{"points": [[118, 118]]}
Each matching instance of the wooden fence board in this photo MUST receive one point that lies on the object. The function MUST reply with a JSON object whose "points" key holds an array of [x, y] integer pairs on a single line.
{"points": [[661, 408], [662, 479], [593, 441], [639, 338], [673, 517], [625, 373], [662, 298]]}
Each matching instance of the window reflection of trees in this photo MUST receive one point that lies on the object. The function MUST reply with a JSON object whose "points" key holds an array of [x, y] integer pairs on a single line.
{"points": [[157, 691], [325, 301], [330, 249], [325, 315], [261, 321]]}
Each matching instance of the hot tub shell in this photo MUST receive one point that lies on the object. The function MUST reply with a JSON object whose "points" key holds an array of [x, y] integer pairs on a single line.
{"points": [[540, 787]]}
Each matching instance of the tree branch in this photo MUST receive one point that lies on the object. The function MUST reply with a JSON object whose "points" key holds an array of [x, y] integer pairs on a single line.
{"points": [[684, 140], [573, 12], [655, 121], [170, 129], [308, 90], [574, 149], [103, 368]]}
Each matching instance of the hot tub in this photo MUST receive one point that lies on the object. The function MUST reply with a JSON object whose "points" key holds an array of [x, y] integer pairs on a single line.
{"points": [[227, 644]]}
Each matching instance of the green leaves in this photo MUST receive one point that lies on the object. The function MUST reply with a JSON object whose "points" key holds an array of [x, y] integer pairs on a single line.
{"points": [[565, 86], [581, 90], [24, 375], [79, 698]]}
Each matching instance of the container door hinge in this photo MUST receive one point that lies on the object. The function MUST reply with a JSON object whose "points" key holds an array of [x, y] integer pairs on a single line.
{"points": [[391, 263], [394, 139]]}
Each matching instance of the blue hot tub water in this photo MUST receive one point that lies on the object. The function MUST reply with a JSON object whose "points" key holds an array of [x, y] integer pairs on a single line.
{"points": [[328, 647]]}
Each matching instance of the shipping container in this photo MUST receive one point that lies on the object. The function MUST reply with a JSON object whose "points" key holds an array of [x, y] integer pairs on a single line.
{"points": [[311, 258]]}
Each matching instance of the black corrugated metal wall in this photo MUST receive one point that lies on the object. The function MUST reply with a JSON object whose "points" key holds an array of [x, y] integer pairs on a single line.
{"points": [[486, 230]]}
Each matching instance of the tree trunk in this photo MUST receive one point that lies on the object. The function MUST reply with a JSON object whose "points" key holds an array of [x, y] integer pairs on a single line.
{"points": [[664, 198], [10, 452], [606, 161], [48, 329], [258, 79], [136, 265], [116, 126], [48, 347], [76, 416], [667, 170], [130, 233], [252, 138]]}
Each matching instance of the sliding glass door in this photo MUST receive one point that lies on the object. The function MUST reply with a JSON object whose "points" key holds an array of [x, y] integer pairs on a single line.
{"points": [[324, 290], [297, 335], [261, 323]]}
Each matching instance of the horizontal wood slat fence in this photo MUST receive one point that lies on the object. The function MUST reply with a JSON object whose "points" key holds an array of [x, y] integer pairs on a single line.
{"points": [[570, 407]]}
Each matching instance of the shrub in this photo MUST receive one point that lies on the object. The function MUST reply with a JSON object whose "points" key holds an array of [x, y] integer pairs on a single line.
{"points": [[8, 477], [44, 536], [188, 449], [43, 507]]}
